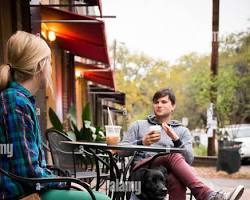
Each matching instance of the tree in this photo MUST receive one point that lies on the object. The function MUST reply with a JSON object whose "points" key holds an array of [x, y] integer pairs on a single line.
{"points": [[139, 76]]}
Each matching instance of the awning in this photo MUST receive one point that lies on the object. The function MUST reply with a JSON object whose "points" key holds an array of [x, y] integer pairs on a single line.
{"points": [[86, 38], [97, 74], [95, 3]]}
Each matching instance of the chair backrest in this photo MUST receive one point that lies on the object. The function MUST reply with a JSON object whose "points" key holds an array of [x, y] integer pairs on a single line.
{"points": [[62, 154]]}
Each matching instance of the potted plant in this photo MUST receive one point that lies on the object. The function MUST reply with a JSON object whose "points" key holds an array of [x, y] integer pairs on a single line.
{"points": [[85, 133]]}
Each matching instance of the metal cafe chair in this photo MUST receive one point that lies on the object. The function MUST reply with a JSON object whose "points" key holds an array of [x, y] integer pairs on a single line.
{"points": [[84, 165], [33, 184]]}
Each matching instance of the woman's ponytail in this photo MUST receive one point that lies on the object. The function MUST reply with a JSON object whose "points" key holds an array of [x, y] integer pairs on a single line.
{"points": [[4, 76]]}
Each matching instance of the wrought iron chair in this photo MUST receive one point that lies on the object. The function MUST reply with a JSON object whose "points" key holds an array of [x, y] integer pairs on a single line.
{"points": [[33, 184], [84, 165]]}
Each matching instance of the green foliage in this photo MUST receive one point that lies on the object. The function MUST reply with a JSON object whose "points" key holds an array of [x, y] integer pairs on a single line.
{"points": [[72, 117], [84, 133], [200, 150], [86, 115], [139, 76], [55, 121]]}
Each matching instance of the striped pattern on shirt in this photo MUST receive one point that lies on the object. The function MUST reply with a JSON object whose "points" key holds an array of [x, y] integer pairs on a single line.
{"points": [[19, 128]]}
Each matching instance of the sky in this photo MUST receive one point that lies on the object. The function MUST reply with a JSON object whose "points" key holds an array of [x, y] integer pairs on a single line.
{"points": [[168, 29]]}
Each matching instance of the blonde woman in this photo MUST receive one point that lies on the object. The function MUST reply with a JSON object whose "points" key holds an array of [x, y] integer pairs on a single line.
{"points": [[28, 68]]}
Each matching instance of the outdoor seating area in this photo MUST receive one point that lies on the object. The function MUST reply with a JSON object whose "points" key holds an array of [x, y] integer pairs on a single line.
{"points": [[124, 100], [91, 165], [120, 165]]}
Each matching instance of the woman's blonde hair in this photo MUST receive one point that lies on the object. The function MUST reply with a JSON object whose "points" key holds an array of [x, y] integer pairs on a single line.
{"points": [[27, 55]]}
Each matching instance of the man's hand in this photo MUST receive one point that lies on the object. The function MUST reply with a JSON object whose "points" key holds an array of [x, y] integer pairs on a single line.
{"points": [[151, 138], [170, 132]]}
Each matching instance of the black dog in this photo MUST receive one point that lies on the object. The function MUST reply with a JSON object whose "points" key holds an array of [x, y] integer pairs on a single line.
{"points": [[153, 183]]}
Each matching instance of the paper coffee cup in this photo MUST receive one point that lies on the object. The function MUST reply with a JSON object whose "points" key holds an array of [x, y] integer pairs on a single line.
{"points": [[155, 128]]}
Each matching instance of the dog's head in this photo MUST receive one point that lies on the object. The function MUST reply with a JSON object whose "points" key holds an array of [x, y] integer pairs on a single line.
{"points": [[153, 183]]}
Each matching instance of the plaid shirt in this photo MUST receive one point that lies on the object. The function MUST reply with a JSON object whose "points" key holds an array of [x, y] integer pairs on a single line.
{"points": [[19, 131]]}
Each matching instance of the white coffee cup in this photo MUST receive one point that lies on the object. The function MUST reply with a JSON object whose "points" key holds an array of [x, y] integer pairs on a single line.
{"points": [[155, 128]]}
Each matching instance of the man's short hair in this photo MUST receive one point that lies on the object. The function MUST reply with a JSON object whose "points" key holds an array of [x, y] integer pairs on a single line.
{"points": [[165, 92]]}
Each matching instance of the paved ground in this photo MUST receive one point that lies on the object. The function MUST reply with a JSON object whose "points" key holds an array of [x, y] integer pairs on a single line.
{"points": [[221, 180], [210, 172], [229, 184]]}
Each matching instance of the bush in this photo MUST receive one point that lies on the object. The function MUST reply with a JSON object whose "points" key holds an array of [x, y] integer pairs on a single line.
{"points": [[200, 150]]}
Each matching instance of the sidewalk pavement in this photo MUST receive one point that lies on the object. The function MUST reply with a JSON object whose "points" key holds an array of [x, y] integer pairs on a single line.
{"points": [[228, 185], [219, 180]]}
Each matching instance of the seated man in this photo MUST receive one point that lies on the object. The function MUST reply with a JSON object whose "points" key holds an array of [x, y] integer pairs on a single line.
{"points": [[172, 134]]}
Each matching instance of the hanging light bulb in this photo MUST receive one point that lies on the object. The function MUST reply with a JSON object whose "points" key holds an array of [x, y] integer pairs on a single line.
{"points": [[51, 36], [78, 74]]}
